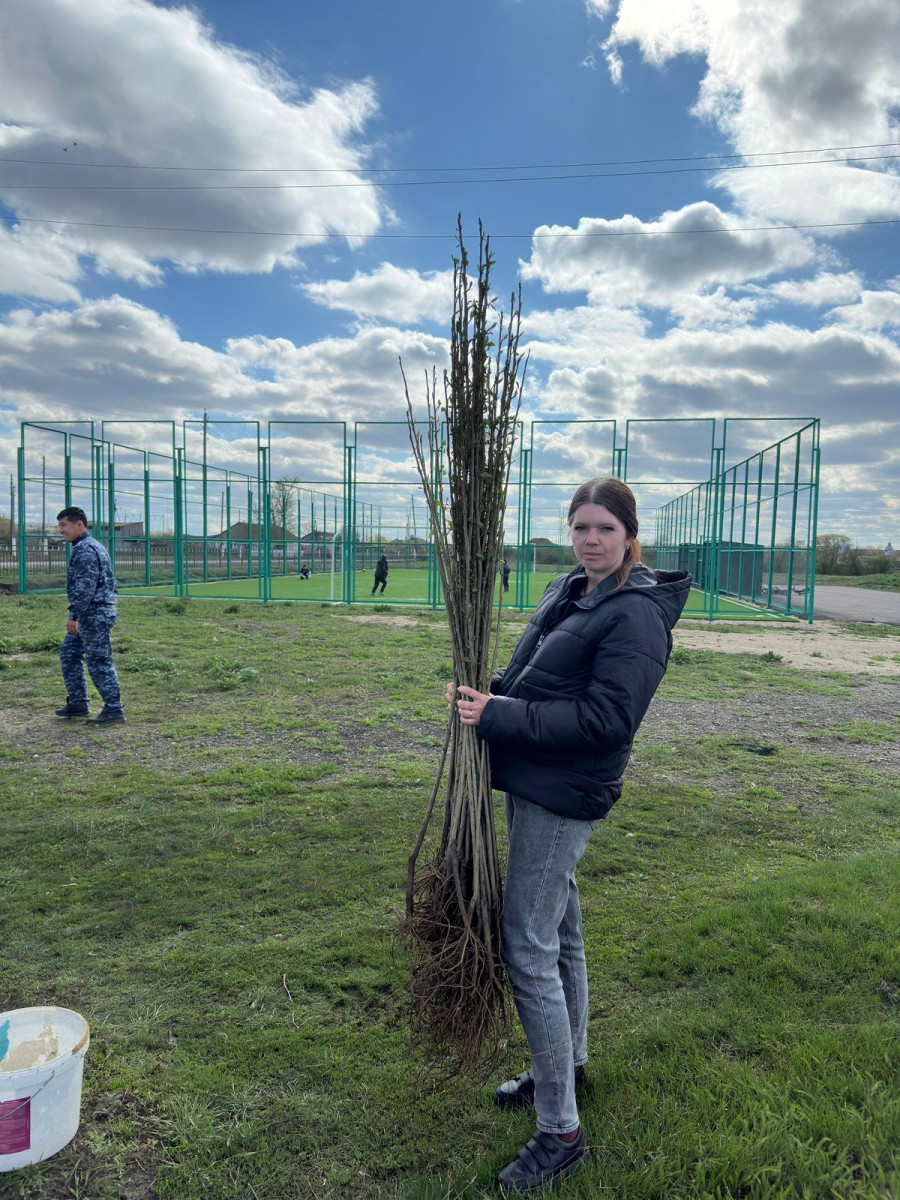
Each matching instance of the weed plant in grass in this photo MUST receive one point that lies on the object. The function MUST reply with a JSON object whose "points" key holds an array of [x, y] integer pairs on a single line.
{"points": [[215, 887]]}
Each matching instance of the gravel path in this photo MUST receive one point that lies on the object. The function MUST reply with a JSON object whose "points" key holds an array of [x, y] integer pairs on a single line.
{"points": [[802, 722]]}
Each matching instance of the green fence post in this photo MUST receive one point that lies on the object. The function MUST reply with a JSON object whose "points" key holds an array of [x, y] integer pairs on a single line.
{"points": [[523, 549], [21, 546], [774, 520], [744, 532], [177, 522], [267, 524], [111, 507], [148, 567], [312, 530], [260, 504], [228, 525], [712, 555], [299, 528], [67, 469], [814, 505], [96, 518], [348, 550], [790, 578], [519, 591]]}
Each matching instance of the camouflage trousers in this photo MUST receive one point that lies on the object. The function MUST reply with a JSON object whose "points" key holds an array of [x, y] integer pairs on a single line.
{"points": [[91, 642]]}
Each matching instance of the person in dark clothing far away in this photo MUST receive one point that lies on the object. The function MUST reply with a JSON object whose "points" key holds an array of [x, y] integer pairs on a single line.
{"points": [[504, 575], [560, 721], [304, 572], [91, 591], [381, 574]]}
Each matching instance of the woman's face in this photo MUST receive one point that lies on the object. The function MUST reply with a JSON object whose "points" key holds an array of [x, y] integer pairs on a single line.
{"points": [[599, 541]]}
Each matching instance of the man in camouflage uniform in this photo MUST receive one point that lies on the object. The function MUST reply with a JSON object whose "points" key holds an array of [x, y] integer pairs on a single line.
{"points": [[91, 590]]}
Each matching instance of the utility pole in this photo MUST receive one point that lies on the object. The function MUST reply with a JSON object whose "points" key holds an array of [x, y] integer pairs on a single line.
{"points": [[12, 513]]}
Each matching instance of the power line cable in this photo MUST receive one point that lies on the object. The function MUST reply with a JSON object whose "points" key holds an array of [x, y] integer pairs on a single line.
{"points": [[357, 170], [446, 236], [240, 187]]}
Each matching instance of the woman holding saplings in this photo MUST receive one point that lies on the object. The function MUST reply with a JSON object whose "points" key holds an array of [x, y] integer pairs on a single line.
{"points": [[560, 723]]}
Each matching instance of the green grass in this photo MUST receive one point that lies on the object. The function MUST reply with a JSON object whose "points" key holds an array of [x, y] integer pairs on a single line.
{"points": [[216, 884], [409, 586], [889, 582]]}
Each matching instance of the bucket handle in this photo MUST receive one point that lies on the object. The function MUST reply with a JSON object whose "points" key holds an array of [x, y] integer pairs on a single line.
{"points": [[28, 1099]]}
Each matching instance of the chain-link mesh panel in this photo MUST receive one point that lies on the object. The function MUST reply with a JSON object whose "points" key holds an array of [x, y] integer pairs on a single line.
{"points": [[570, 452], [744, 437], [144, 458], [213, 514], [156, 437], [747, 535], [560, 455], [43, 492], [308, 490], [308, 452], [223, 511], [390, 516], [676, 451]]}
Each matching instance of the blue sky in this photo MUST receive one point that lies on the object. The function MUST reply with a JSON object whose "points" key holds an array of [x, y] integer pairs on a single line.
{"points": [[758, 320]]}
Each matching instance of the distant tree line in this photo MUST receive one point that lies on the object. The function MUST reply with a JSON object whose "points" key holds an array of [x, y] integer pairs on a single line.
{"points": [[836, 556]]}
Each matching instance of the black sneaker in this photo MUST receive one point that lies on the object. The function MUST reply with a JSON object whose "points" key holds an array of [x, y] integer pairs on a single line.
{"points": [[73, 710], [108, 716], [543, 1162], [519, 1093]]}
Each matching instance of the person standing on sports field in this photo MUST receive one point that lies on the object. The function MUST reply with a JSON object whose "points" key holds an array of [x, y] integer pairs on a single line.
{"points": [[381, 574]]}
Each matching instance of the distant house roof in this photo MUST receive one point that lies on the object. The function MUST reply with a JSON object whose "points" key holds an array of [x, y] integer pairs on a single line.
{"points": [[238, 532]]}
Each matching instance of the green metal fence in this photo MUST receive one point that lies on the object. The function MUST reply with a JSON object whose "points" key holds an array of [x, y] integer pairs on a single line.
{"points": [[748, 534], [302, 510]]}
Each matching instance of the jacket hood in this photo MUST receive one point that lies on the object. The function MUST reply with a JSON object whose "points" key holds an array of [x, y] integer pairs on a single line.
{"points": [[669, 590]]}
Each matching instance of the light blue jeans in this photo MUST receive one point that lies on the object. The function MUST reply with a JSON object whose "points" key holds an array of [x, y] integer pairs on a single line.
{"points": [[544, 952]]}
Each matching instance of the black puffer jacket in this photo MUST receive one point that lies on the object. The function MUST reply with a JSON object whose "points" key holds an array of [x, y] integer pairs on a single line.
{"points": [[566, 709]]}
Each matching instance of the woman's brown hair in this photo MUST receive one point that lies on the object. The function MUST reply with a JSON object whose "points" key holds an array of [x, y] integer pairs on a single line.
{"points": [[618, 497]]}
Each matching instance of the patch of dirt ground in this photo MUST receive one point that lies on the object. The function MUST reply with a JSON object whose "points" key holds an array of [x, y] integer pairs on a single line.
{"points": [[818, 647], [802, 722], [396, 622]]}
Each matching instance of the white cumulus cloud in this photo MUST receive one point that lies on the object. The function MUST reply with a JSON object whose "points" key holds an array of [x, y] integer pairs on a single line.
{"points": [[396, 294], [136, 83], [873, 311], [619, 260], [37, 264], [825, 289], [784, 75]]}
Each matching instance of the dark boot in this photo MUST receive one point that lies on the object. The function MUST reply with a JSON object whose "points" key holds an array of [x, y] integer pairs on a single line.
{"points": [[543, 1162], [108, 716], [79, 709], [519, 1093]]}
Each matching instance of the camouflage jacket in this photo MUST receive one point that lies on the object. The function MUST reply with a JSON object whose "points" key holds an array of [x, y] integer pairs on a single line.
{"points": [[89, 578]]}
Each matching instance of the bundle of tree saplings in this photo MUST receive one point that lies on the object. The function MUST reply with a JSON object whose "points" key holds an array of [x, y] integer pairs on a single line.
{"points": [[460, 1002]]}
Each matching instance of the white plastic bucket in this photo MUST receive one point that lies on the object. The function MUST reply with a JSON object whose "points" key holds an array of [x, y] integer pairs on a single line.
{"points": [[41, 1066]]}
